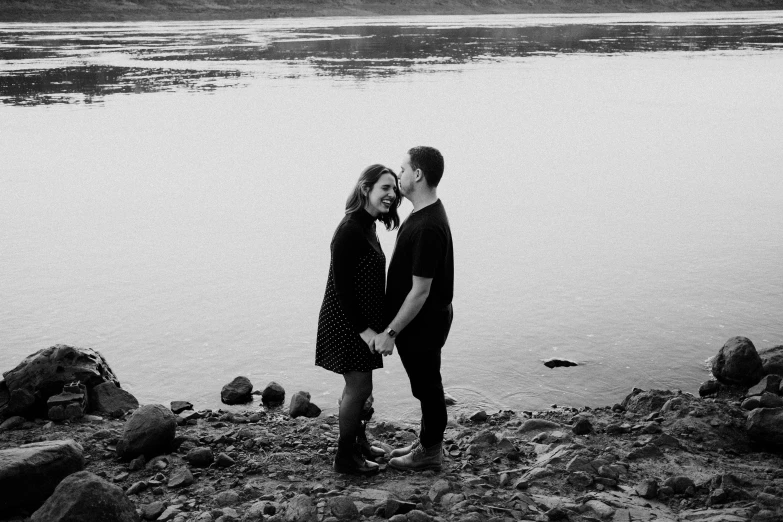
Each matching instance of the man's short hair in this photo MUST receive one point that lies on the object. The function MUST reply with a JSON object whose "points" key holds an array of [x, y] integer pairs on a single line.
{"points": [[430, 161]]}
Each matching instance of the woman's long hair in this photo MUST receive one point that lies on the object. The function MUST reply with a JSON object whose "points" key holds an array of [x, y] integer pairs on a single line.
{"points": [[359, 197]]}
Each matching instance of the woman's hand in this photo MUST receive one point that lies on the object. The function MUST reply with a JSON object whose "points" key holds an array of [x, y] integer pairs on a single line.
{"points": [[368, 336]]}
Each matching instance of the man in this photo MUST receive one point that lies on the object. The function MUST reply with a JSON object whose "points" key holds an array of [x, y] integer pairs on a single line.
{"points": [[419, 289]]}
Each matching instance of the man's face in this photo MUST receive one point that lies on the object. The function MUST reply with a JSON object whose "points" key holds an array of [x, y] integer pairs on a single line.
{"points": [[407, 176]]}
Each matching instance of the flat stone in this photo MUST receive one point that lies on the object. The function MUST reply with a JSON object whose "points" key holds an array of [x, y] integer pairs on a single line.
{"points": [[152, 511], [180, 478], [180, 406], [30, 473], [438, 489]]}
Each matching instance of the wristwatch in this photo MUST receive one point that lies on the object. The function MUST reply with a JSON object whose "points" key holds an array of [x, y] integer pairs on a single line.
{"points": [[390, 332]]}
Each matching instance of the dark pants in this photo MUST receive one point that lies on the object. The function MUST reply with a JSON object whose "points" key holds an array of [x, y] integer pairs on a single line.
{"points": [[420, 355]]}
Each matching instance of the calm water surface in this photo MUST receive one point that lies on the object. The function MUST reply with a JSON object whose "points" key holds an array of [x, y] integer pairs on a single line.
{"points": [[168, 192]]}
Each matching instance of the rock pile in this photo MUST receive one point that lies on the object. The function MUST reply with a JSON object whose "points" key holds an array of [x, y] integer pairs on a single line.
{"points": [[56, 382], [658, 456]]}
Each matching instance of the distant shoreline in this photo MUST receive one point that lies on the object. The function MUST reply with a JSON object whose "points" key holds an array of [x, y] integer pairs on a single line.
{"points": [[201, 10]]}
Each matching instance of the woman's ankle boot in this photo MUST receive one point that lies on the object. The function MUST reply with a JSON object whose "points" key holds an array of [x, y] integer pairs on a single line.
{"points": [[368, 450], [349, 460]]}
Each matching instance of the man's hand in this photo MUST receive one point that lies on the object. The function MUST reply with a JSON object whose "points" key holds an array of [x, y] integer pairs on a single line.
{"points": [[384, 344], [368, 336]]}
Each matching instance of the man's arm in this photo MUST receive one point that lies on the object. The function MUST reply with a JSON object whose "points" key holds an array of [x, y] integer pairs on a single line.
{"points": [[410, 308]]}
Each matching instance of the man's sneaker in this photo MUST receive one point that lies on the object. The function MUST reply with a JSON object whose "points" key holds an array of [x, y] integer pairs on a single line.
{"points": [[399, 452], [420, 458]]}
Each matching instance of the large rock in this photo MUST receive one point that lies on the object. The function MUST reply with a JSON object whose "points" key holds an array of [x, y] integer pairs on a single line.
{"points": [[273, 394], [302, 407], [108, 399], [85, 497], [642, 402], [44, 373], [29, 473], [149, 431], [772, 359], [301, 509], [765, 425], [738, 363], [238, 391]]}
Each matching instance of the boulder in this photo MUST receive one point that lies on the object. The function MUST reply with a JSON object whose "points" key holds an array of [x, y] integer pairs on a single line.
{"points": [[751, 403], [738, 363], [679, 484], [559, 363], [12, 423], [343, 508], [769, 383], [86, 497], [643, 402], [438, 489], [149, 431], [582, 426], [31, 472], [648, 451], [394, 506], [772, 359], [302, 407], [647, 488], [5, 396], [710, 387], [109, 399], [180, 478], [238, 391], [301, 509], [180, 406], [44, 373], [770, 400], [765, 426], [479, 416], [200, 457], [273, 394]]}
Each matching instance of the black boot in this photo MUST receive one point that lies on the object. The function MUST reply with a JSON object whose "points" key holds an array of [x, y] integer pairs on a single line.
{"points": [[349, 460], [369, 451]]}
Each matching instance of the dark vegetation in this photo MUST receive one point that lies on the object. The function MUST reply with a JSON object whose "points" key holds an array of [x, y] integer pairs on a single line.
{"points": [[142, 10]]}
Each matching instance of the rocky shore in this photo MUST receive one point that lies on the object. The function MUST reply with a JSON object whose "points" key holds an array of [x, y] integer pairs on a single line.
{"points": [[150, 10], [661, 456]]}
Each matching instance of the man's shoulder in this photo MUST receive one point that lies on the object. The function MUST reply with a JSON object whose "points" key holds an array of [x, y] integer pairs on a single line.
{"points": [[434, 216]]}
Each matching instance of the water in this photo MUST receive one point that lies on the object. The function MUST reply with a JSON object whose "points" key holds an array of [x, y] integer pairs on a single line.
{"points": [[168, 192]]}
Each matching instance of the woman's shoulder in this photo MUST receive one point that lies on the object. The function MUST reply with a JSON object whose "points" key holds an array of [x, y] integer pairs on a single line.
{"points": [[348, 228]]}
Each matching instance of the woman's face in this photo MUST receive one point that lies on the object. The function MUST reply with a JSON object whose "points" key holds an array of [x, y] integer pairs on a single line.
{"points": [[382, 195]]}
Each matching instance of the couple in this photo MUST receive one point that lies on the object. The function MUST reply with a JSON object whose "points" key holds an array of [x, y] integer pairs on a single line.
{"points": [[362, 317]]}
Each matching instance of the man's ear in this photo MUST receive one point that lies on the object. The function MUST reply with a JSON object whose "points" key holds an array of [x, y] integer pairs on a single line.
{"points": [[419, 174]]}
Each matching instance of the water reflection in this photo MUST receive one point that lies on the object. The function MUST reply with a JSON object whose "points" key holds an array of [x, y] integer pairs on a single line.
{"points": [[85, 84], [82, 63]]}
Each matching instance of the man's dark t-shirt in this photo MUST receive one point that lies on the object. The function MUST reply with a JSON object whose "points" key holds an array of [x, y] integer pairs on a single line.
{"points": [[424, 248]]}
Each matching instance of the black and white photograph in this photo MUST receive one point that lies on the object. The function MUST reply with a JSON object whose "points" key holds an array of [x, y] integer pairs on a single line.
{"points": [[404, 261]]}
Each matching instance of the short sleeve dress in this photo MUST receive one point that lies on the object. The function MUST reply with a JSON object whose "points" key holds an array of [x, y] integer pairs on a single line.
{"points": [[354, 295]]}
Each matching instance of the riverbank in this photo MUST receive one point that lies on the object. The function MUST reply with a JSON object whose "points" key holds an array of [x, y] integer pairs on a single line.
{"points": [[663, 456], [168, 10]]}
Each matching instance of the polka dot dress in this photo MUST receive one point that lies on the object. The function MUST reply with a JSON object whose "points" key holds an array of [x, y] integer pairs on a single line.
{"points": [[339, 346]]}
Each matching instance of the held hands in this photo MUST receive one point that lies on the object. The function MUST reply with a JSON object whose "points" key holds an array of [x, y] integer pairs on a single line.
{"points": [[368, 336], [384, 344]]}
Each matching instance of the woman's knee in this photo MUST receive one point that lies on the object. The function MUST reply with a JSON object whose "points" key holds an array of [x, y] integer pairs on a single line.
{"points": [[359, 384]]}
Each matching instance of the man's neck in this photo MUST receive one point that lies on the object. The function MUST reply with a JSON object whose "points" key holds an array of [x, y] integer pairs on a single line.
{"points": [[424, 199]]}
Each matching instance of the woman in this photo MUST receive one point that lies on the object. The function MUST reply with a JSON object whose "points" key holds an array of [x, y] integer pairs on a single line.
{"points": [[352, 309]]}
